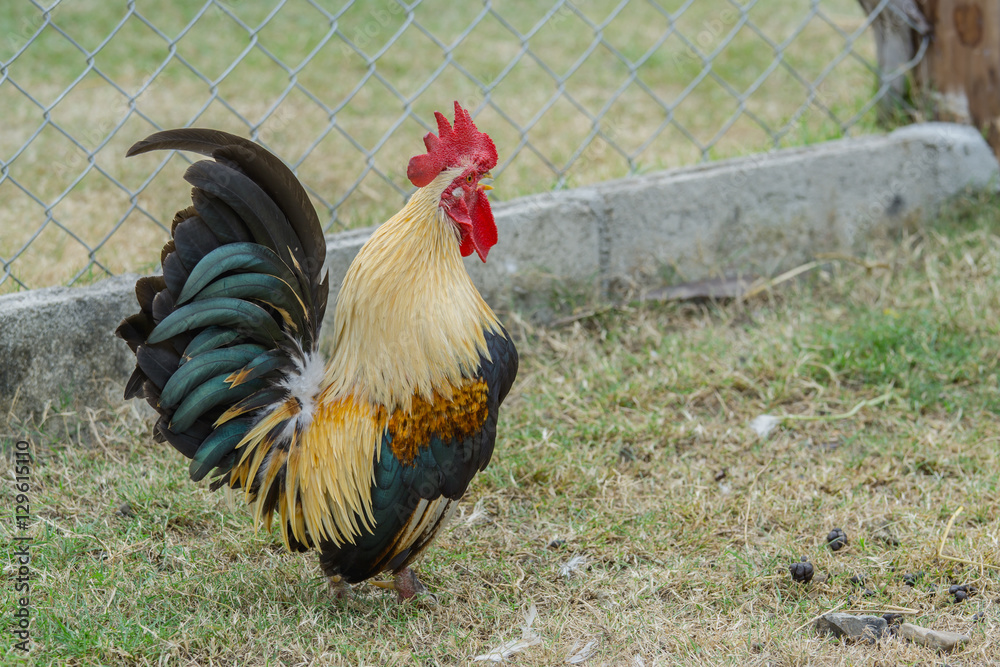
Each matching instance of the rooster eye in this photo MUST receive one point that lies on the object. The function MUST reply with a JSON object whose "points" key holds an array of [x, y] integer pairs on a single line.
{"points": [[468, 179]]}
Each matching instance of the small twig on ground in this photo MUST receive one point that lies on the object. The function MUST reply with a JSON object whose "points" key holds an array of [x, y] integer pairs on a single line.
{"points": [[940, 552], [870, 403], [840, 257], [818, 616], [889, 608], [738, 287], [13, 404], [764, 424], [585, 315], [947, 529], [766, 284]]}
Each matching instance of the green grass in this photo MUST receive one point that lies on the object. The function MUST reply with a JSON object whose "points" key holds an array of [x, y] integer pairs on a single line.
{"points": [[626, 442], [922, 354], [93, 109]]}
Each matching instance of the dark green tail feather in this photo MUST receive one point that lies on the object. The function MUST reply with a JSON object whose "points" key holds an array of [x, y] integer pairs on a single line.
{"points": [[235, 257], [205, 366], [209, 339], [251, 320], [250, 244]]}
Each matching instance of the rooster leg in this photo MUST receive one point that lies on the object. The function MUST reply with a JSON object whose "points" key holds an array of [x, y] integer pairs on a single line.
{"points": [[405, 583], [340, 588]]}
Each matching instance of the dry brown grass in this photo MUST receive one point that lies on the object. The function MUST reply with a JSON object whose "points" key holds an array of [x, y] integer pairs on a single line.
{"points": [[625, 443], [51, 165]]}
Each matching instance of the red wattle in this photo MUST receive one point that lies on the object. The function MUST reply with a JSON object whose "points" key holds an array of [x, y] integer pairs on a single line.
{"points": [[466, 246], [484, 227], [459, 213]]}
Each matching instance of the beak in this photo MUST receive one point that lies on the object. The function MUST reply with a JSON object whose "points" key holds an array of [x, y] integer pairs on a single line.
{"points": [[483, 186]]}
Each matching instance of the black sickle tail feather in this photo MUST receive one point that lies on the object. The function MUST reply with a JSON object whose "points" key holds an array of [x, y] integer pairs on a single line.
{"points": [[239, 304]]}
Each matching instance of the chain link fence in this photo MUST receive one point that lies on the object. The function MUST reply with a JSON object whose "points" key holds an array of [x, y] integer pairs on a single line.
{"points": [[572, 93]]}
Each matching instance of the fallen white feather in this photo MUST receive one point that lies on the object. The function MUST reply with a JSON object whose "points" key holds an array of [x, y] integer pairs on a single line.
{"points": [[528, 638], [479, 513], [577, 655], [764, 424], [572, 565]]}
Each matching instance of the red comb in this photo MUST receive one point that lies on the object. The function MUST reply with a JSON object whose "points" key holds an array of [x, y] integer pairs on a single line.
{"points": [[451, 147]]}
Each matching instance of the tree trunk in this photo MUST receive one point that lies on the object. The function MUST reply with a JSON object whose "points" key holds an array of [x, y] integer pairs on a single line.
{"points": [[958, 78], [960, 74]]}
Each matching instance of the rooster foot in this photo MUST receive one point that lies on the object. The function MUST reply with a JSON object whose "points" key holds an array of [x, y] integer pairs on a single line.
{"points": [[340, 589], [406, 584]]}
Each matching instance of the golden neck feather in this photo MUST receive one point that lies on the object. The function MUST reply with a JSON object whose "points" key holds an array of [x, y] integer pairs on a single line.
{"points": [[409, 319]]}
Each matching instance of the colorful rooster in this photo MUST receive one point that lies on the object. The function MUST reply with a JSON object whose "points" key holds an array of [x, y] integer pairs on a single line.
{"points": [[362, 458]]}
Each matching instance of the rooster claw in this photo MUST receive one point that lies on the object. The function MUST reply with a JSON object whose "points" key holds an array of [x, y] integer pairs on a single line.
{"points": [[340, 589]]}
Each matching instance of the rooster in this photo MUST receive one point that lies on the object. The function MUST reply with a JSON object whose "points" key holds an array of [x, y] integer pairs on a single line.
{"points": [[361, 457]]}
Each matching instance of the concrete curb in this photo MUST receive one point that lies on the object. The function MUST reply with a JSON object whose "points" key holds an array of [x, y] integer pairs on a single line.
{"points": [[58, 345], [761, 213]]}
